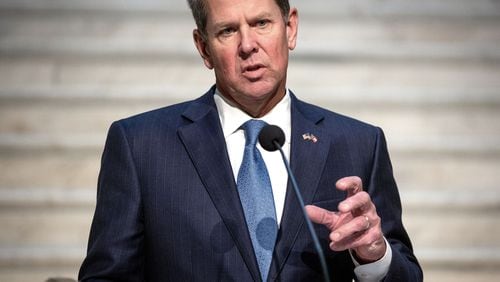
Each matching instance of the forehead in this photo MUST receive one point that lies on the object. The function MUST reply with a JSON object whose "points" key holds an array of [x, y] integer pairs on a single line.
{"points": [[225, 10]]}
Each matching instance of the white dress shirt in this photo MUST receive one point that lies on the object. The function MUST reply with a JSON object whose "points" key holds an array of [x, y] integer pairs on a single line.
{"points": [[232, 118]]}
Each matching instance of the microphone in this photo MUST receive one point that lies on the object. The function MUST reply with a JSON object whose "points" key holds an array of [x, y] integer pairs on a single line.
{"points": [[272, 138]]}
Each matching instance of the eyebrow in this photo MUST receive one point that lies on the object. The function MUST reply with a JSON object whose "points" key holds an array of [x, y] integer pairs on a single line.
{"points": [[263, 15], [222, 24]]}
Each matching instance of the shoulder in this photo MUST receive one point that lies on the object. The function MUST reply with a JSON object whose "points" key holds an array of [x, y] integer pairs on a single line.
{"points": [[336, 123], [167, 118], [156, 117]]}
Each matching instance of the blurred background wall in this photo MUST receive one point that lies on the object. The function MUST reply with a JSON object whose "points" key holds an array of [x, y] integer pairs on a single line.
{"points": [[426, 71]]}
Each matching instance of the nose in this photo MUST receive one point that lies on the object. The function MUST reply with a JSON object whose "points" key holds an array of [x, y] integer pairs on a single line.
{"points": [[248, 43]]}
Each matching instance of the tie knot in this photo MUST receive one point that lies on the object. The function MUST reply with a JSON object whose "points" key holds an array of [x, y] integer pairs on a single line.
{"points": [[252, 129]]}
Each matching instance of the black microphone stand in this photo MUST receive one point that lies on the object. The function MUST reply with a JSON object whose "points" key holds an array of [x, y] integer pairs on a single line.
{"points": [[315, 239]]}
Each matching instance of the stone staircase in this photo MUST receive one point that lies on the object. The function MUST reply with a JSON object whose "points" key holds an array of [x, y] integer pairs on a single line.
{"points": [[427, 71]]}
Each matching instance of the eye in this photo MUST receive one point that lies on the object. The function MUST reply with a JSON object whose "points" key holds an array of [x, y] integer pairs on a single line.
{"points": [[227, 31], [262, 23]]}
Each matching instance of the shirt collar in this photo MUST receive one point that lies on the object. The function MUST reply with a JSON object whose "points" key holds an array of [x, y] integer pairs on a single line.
{"points": [[232, 117]]}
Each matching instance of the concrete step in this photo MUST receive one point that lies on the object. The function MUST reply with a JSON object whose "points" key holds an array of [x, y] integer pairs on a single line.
{"points": [[446, 176], [74, 119], [80, 121], [95, 5], [41, 256], [39, 274], [438, 263], [465, 274], [419, 163], [432, 275], [43, 262], [402, 146], [398, 8], [398, 39], [334, 95], [401, 81], [416, 202], [70, 34], [454, 230], [463, 236], [448, 172], [31, 227], [15, 73], [51, 168], [445, 8]]}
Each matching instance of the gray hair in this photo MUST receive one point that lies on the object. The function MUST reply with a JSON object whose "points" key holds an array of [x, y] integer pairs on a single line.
{"points": [[200, 13]]}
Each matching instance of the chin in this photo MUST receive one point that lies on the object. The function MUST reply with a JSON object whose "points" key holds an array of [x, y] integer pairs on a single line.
{"points": [[260, 89]]}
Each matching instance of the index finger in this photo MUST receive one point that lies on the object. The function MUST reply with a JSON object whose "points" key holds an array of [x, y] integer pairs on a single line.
{"points": [[321, 216], [351, 184]]}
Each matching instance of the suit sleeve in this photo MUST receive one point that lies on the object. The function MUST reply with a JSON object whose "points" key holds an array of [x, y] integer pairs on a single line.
{"points": [[384, 192], [115, 251]]}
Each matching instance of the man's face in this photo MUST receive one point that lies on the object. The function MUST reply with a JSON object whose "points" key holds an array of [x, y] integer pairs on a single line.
{"points": [[247, 45]]}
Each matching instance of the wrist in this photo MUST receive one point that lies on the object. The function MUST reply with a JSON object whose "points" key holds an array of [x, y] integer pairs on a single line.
{"points": [[371, 253]]}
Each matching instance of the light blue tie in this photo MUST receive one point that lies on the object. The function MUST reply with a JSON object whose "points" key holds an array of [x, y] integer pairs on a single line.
{"points": [[256, 195]]}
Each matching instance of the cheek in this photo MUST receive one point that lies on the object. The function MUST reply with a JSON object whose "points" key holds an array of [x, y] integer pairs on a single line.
{"points": [[278, 51], [226, 63], [227, 68], [280, 58]]}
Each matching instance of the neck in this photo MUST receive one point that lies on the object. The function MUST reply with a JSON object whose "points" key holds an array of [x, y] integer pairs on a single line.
{"points": [[254, 107]]}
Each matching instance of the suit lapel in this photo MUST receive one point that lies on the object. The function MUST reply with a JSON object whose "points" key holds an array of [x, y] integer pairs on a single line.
{"points": [[307, 160], [204, 141]]}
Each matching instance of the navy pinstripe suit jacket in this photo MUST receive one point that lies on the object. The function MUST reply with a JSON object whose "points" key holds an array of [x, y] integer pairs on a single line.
{"points": [[168, 208]]}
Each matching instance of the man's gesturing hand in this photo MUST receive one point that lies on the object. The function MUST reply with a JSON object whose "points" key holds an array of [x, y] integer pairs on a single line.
{"points": [[356, 225]]}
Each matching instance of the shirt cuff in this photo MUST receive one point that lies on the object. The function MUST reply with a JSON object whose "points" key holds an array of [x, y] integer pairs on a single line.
{"points": [[375, 271]]}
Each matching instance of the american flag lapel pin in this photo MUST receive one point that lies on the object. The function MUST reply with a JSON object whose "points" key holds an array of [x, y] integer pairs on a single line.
{"points": [[309, 137]]}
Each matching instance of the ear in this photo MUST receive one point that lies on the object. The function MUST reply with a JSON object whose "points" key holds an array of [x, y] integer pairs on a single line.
{"points": [[202, 47], [292, 27]]}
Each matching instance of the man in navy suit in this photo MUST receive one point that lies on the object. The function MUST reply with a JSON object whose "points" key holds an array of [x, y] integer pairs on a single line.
{"points": [[168, 206]]}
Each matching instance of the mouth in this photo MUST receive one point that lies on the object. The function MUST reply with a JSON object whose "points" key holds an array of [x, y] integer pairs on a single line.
{"points": [[252, 68], [253, 72]]}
